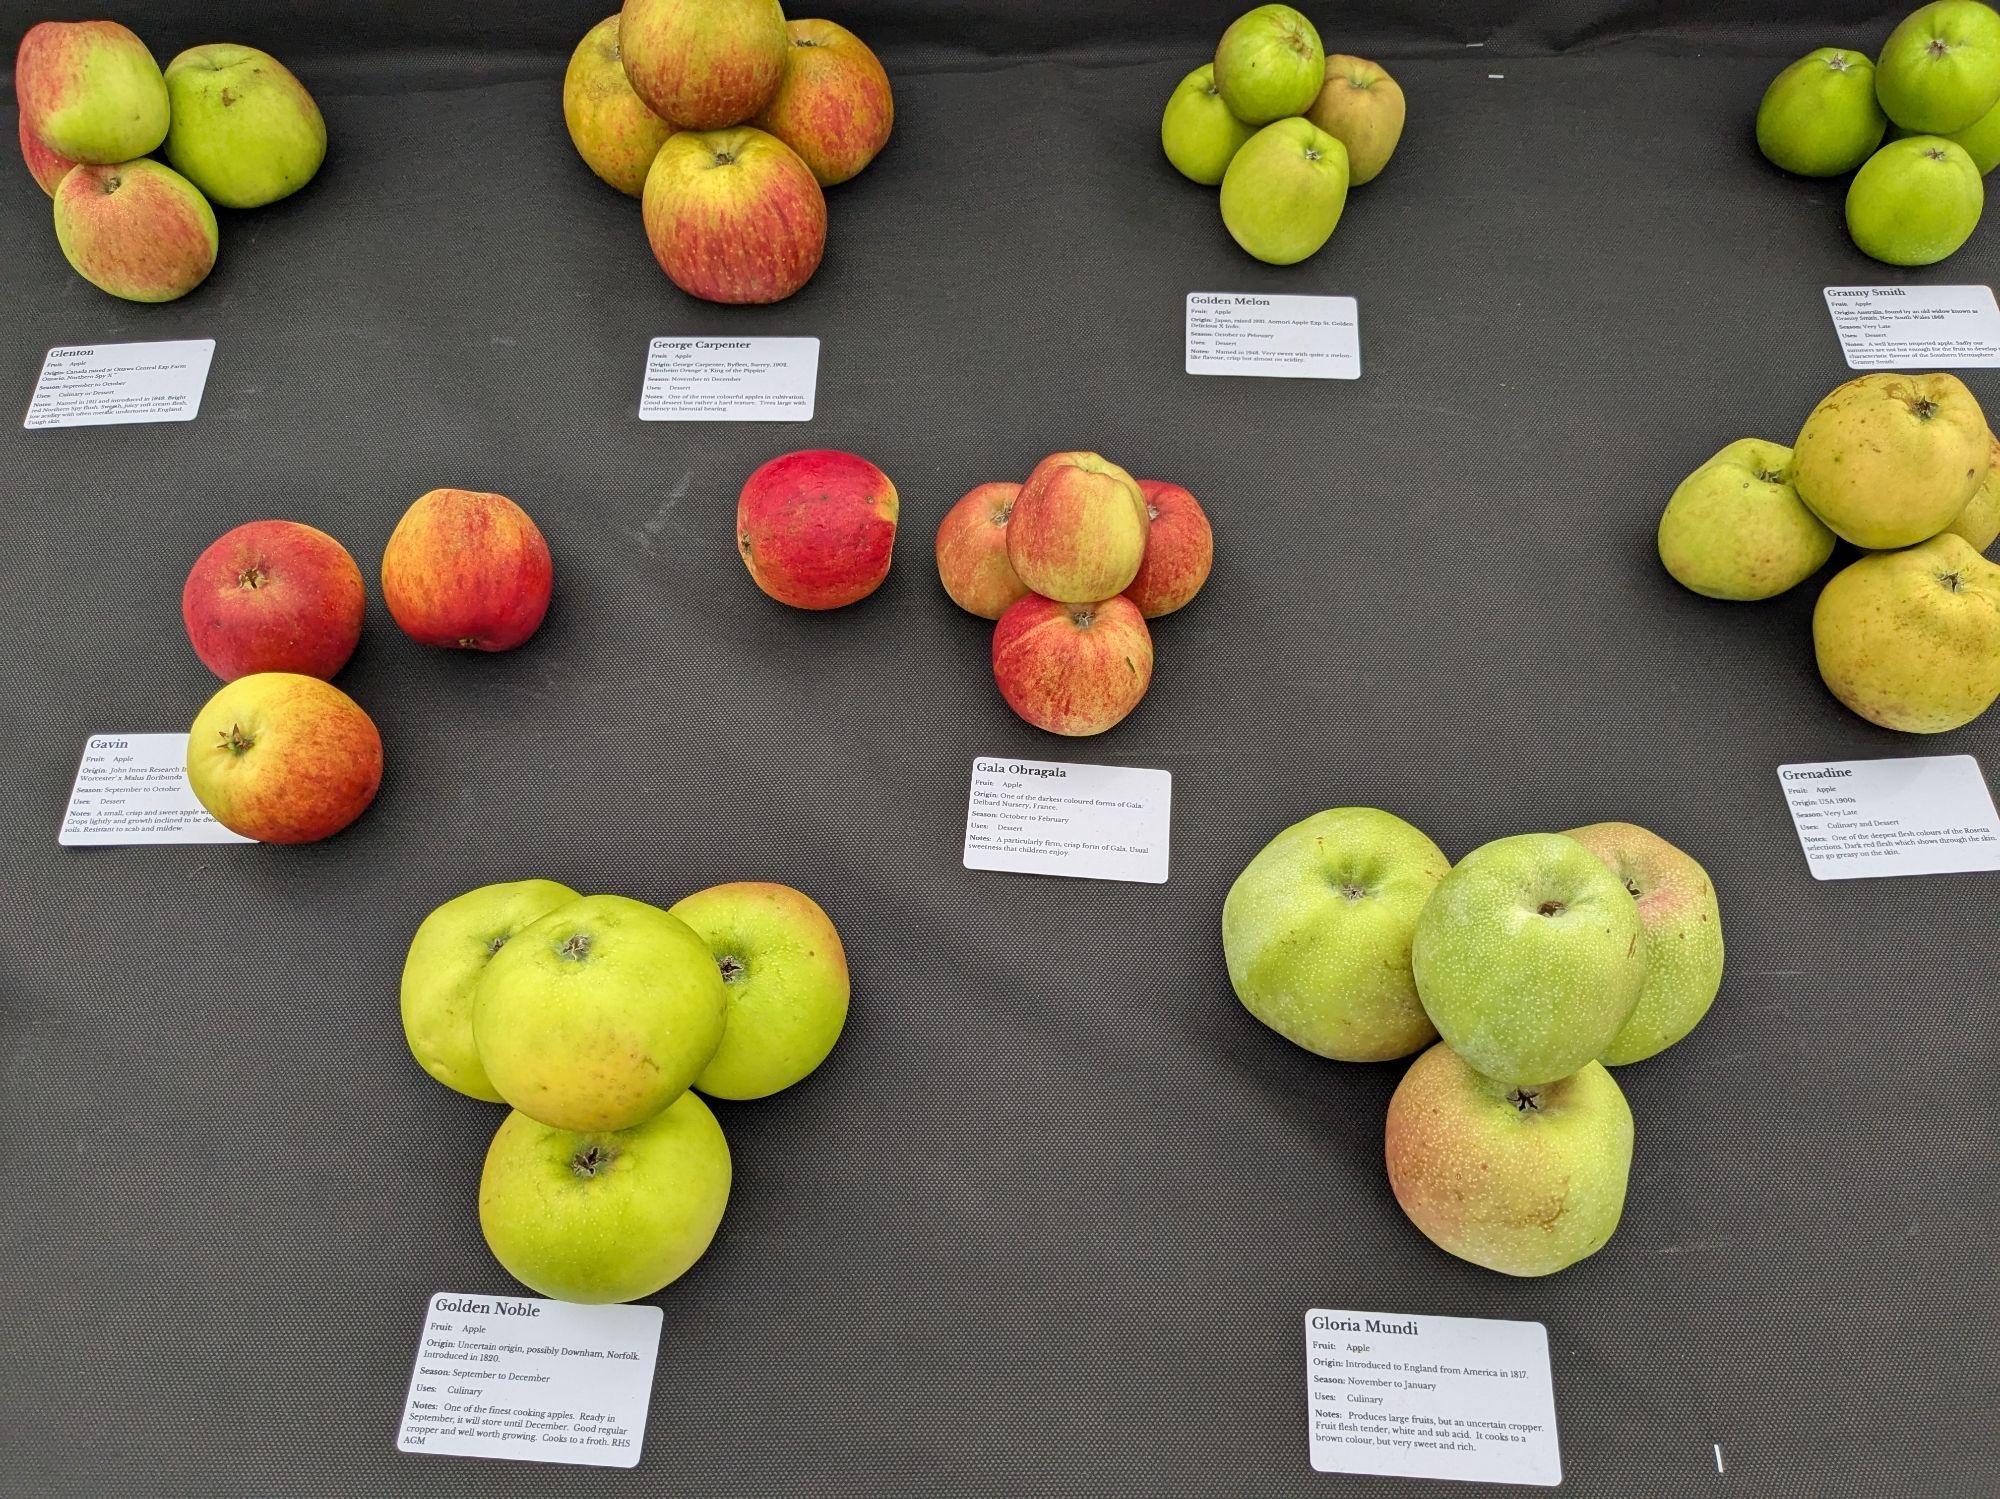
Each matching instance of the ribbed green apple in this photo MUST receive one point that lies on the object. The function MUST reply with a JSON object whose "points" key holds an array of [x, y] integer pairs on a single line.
{"points": [[245, 131], [1940, 68], [1269, 64], [1284, 191], [1198, 133], [1915, 201], [1736, 529], [1819, 117]]}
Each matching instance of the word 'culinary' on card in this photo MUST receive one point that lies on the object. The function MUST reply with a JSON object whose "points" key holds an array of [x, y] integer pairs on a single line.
{"points": [[1924, 814], [730, 380], [133, 788], [1257, 333], [1090, 822], [109, 385], [1916, 327]]}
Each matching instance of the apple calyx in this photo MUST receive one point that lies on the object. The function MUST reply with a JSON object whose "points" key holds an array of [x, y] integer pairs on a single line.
{"points": [[1839, 63], [110, 184], [1952, 582], [238, 740], [732, 968], [1083, 617], [723, 158], [252, 576], [1935, 153], [1632, 886], [499, 941], [592, 1160], [1923, 408], [1526, 1100], [1770, 476], [1152, 512], [467, 642], [575, 947], [1938, 47], [1003, 514], [1351, 891], [1551, 908]]}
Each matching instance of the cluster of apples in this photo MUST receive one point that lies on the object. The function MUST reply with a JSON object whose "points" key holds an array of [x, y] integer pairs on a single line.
{"points": [[1905, 468], [727, 121], [1540, 960], [1071, 564], [1935, 91], [274, 608], [598, 1019], [1284, 128], [238, 128]]}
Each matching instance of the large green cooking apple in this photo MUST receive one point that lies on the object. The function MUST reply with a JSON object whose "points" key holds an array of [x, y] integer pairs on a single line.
{"points": [[244, 130], [1735, 528], [1284, 191], [1198, 133], [1819, 117], [1269, 64], [1940, 69], [1915, 201]]}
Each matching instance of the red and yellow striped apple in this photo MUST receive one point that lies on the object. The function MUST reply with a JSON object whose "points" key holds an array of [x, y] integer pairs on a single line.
{"points": [[467, 570], [612, 129], [1180, 550], [90, 90], [45, 165], [704, 64], [273, 595], [834, 107], [972, 551], [1072, 669], [817, 529], [138, 230], [734, 215], [1078, 533], [283, 758]]}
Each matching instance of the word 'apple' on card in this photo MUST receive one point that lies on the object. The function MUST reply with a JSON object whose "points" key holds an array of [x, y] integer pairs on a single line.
{"points": [[110, 385], [730, 380]]}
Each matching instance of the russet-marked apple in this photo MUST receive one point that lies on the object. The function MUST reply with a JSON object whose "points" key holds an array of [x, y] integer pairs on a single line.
{"points": [[138, 230], [283, 758], [734, 215], [1819, 117], [245, 131], [704, 64], [1284, 191], [972, 551], [1078, 532], [1891, 460], [1198, 132], [1735, 528], [1269, 64], [1940, 69], [1180, 550], [44, 165], [273, 595], [817, 529], [1362, 107], [1915, 201], [90, 90], [612, 129], [834, 106], [1072, 669], [467, 570]]}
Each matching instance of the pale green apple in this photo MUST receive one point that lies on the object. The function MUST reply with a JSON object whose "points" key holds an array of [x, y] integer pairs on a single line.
{"points": [[1915, 201], [1362, 107], [1890, 460], [450, 951], [1284, 191], [1316, 933], [245, 131], [1529, 958], [1819, 117], [1981, 139], [610, 1215], [1736, 529], [1269, 64], [1198, 132], [1940, 69], [1978, 524]]}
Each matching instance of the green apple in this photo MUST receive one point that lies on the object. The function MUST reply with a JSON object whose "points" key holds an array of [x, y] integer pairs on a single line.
{"points": [[1522, 1180], [1269, 64], [608, 1215], [1362, 107], [1316, 933], [450, 951], [1981, 139], [599, 1014], [1940, 68], [1736, 529], [90, 91], [784, 981], [1683, 936], [1915, 201], [1891, 460], [1284, 191], [1529, 958], [1978, 524], [1819, 117], [245, 131], [1198, 132], [1910, 640]]}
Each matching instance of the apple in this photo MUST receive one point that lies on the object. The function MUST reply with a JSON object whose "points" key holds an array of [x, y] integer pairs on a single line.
{"points": [[283, 758], [1269, 64], [137, 230], [1362, 107], [244, 131], [734, 215], [1981, 139], [972, 551], [834, 106], [817, 529], [611, 1215], [1891, 460], [1819, 117], [1078, 532], [45, 166], [90, 90], [273, 595], [1180, 549], [1198, 132], [599, 1014], [704, 64], [467, 570], [1522, 1180], [1073, 669], [1940, 69], [1284, 191], [1735, 528], [784, 978], [450, 951], [610, 126], [1915, 201], [1316, 933], [1978, 524]]}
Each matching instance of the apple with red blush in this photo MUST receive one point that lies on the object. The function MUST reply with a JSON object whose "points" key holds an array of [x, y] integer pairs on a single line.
{"points": [[283, 758], [45, 164], [834, 106], [467, 570], [1078, 532], [972, 551], [1180, 550], [817, 528], [1073, 669], [733, 215], [273, 595]]}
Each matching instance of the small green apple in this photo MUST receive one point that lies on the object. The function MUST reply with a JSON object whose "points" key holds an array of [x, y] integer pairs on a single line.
{"points": [[1940, 69], [1362, 107], [1915, 201], [1269, 64], [244, 130], [1284, 191], [1198, 132], [1819, 117], [1736, 529]]}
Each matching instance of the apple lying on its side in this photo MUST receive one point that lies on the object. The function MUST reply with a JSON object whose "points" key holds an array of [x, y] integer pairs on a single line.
{"points": [[834, 106], [817, 529], [610, 126], [734, 215], [467, 570], [90, 90], [704, 64], [273, 595], [137, 230], [1078, 532], [972, 551], [283, 758], [44, 165], [1180, 550], [245, 131], [1072, 669]]}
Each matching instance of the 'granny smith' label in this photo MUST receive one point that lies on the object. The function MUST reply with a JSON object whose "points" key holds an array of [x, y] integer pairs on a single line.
{"points": [[1916, 327], [1258, 333], [108, 385], [1090, 822], [133, 788], [730, 380], [1863, 819]]}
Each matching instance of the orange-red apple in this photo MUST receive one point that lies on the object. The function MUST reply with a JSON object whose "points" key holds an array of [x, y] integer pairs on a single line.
{"points": [[1072, 668], [610, 126], [817, 528], [1180, 549], [834, 106], [273, 595], [468, 570], [283, 758], [972, 551], [734, 215], [704, 64], [1079, 529]]}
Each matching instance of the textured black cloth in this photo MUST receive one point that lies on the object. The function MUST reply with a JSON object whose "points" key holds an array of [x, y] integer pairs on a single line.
{"points": [[1047, 1221]]}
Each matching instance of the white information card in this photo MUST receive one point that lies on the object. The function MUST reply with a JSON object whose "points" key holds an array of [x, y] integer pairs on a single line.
{"points": [[108, 385], [730, 380], [1244, 333], [133, 788], [1090, 822], [543, 1381], [1862, 819], [1916, 327], [1431, 1397]]}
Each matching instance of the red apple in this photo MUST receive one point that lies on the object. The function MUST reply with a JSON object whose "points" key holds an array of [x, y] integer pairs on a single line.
{"points": [[834, 107], [45, 165], [816, 528], [703, 63], [90, 90], [273, 595], [972, 551], [284, 758], [734, 215], [1180, 549], [1072, 668], [468, 570], [137, 230], [1079, 528], [610, 126]]}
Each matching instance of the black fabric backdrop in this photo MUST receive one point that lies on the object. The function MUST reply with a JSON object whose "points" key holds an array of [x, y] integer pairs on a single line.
{"points": [[1048, 1220]]}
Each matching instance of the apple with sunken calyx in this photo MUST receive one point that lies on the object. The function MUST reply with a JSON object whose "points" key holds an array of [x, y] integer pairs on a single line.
{"points": [[467, 570], [834, 106], [1269, 64], [1735, 528], [90, 90], [245, 130], [1891, 460], [1284, 192], [283, 758], [1819, 117], [1362, 107], [1522, 1180], [138, 230], [1180, 550], [704, 64], [604, 1215], [1198, 132], [734, 215], [1940, 69], [273, 595], [44, 165], [784, 978], [972, 551], [1915, 201], [817, 528], [612, 129], [1316, 933], [1078, 532], [1073, 669]]}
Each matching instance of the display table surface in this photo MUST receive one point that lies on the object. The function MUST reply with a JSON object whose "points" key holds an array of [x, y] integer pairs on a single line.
{"points": [[1048, 1220]]}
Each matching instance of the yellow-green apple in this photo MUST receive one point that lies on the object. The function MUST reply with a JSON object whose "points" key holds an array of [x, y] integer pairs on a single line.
{"points": [[734, 215], [610, 126], [1316, 933], [1978, 524], [1981, 139], [1819, 117], [817, 529], [605, 1215], [283, 758], [273, 595], [834, 106], [1910, 640], [138, 230], [1284, 191], [1072, 669], [704, 64], [1529, 958], [450, 951], [1078, 532], [1891, 460], [245, 131], [44, 165], [1735, 528], [1940, 68], [1362, 107], [784, 975], [599, 1014], [467, 570], [1269, 64], [1198, 132], [90, 91], [1180, 550], [1915, 201], [1683, 936], [1522, 1180], [972, 551]]}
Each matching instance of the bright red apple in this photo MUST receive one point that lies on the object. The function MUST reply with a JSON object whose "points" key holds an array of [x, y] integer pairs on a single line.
{"points": [[273, 595], [817, 528], [45, 164], [972, 551], [284, 758], [1072, 668], [468, 570], [734, 215], [1079, 528], [703, 64], [834, 107], [1180, 549]]}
